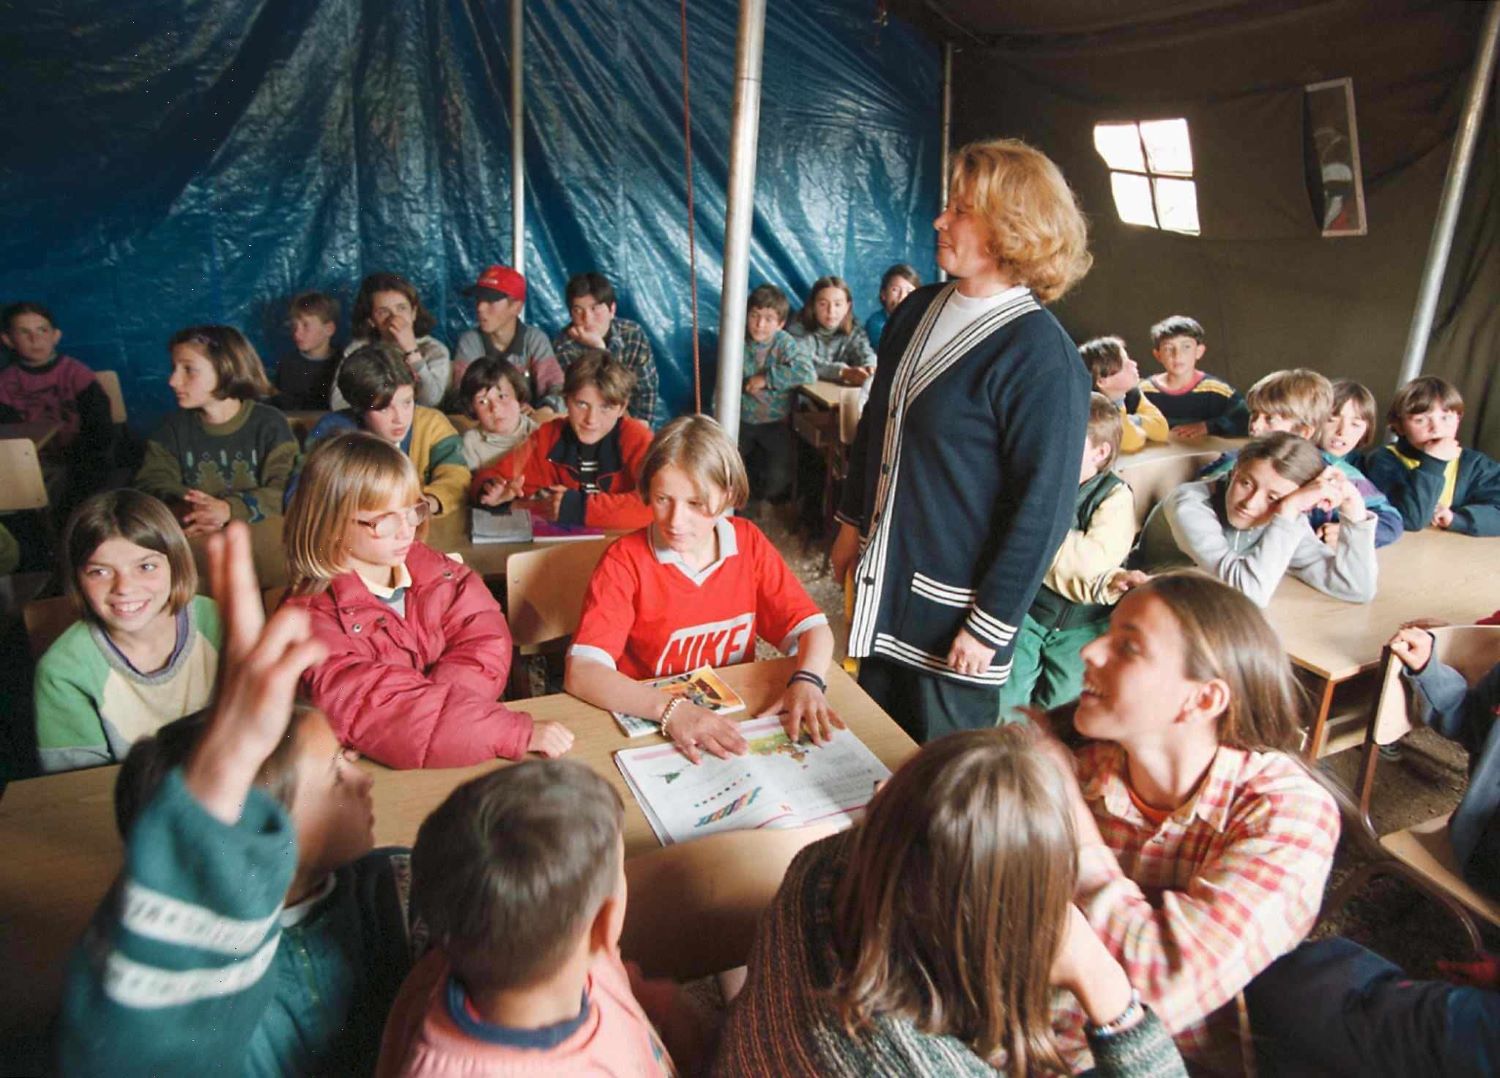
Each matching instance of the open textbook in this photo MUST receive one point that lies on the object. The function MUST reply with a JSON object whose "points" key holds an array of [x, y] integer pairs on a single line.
{"points": [[702, 687], [777, 783]]}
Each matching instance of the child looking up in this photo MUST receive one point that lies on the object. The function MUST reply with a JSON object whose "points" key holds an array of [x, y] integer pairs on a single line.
{"points": [[695, 589], [1249, 528], [499, 295], [929, 939], [1115, 375], [1072, 607], [494, 394], [388, 309], [381, 392], [417, 649], [898, 282], [594, 327], [841, 350], [1195, 403], [1299, 401], [583, 468], [223, 455], [146, 648], [1428, 476], [304, 376], [252, 925], [775, 365]]}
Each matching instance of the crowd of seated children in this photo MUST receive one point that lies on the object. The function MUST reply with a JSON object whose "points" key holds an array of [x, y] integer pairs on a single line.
{"points": [[929, 939], [1072, 606], [145, 648], [1204, 844], [1195, 403], [583, 468], [495, 395], [1300, 401], [896, 283], [417, 649], [387, 308], [594, 327], [304, 375], [1431, 479], [381, 393], [776, 363], [499, 295], [695, 589], [223, 455], [40, 384], [1249, 527], [841, 350], [1115, 375]]}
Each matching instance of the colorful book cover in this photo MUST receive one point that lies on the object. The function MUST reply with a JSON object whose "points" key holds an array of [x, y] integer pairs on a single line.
{"points": [[702, 687]]}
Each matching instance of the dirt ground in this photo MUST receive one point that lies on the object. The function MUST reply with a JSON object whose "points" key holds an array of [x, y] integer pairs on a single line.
{"points": [[1386, 915]]}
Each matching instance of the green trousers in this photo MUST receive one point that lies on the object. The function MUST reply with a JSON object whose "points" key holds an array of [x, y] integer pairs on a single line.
{"points": [[1046, 670]]}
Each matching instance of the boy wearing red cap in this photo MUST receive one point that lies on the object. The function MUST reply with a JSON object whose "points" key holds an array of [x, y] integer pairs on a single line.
{"points": [[499, 295]]}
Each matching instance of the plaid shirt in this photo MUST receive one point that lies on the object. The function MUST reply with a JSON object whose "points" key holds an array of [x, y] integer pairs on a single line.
{"points": [[627, 342], [1194, 908], [787, 363]]}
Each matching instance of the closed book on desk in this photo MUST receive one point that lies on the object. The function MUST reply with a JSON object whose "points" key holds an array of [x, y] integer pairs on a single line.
{"points": [[547, 531], [505, 525]]}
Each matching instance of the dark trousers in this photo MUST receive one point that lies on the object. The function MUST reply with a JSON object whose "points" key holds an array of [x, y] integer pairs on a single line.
{"points": [[770, 452], [1334, 1008], [925, 705]]}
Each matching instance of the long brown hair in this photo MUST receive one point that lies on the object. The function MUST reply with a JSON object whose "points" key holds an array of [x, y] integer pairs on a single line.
{"points": [[808, 316], [955, 900], [1226, 636]]}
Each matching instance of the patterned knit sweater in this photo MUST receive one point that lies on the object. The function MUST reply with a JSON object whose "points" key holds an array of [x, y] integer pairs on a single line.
{"points": [[785, 1022], [245, 461]]}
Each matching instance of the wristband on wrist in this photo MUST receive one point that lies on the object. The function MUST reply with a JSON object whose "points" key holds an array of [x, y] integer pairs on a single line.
{"points": [[666, 715], [1127, 1018], [809, 677]]}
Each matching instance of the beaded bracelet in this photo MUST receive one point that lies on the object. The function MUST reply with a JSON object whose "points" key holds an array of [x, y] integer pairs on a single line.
{"points": [[1127, 1018], [666, 715], [809, 677]]}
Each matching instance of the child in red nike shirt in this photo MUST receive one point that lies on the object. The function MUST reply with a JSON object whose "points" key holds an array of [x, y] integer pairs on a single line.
{"points": [[693, 589]]}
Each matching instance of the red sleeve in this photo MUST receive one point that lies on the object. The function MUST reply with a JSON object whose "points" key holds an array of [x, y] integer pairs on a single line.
{"points": [[477, 645], [622, 509], [398, 716], [610, 603], [504, 468], [781, 602]]}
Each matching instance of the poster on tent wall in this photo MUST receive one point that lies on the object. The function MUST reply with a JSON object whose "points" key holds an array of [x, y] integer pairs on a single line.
{"points": [[1338, 182]]}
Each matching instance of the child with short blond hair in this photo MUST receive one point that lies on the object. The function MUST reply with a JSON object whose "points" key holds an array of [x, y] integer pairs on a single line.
{"points": [[1115, 375], [1431, 478]]}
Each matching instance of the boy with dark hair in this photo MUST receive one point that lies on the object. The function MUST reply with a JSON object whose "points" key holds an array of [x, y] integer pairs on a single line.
{"points": [[776, 363], [591, 306], [304, 376], [520, 879], [1115, 375], [896, 283], [37, 384], [1195, 403], [499, 297], [381, 391], [1427, 474]]}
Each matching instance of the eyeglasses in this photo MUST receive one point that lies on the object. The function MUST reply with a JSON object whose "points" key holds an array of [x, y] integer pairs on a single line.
{"points": [[386, 525]]}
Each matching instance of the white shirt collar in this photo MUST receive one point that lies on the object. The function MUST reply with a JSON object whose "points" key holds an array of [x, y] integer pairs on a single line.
{"points": [[728, 548]]}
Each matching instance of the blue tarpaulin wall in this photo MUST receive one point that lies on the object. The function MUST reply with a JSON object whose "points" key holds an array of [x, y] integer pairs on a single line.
{"points": [[170, 163]]}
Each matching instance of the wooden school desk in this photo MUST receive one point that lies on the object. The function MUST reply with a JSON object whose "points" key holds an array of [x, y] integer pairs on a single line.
{"points": [[61, 850], [1425, 574], [40, 432], [1158, 450]]}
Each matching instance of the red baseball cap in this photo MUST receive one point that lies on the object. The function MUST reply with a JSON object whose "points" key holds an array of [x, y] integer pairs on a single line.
{"points": [[497, 282]]}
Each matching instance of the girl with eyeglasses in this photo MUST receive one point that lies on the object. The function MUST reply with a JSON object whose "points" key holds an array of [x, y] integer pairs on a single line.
{"points": [[418, 650]]}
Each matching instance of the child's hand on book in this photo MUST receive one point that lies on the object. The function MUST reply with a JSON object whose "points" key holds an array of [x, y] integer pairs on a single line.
{"points": [[804, 709], [499, 491], [693, 728]]}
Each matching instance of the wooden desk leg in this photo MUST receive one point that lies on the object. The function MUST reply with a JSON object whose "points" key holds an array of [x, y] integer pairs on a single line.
{"points": [[1319, 732]]}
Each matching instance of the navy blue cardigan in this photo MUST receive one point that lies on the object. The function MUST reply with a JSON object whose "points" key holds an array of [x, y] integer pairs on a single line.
{"points": [[962, 479]]}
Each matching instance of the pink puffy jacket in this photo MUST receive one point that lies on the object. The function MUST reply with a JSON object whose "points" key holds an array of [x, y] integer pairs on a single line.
{"points": [[423, 689]]}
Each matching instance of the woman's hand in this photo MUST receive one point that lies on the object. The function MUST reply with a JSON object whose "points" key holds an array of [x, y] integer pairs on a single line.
{"points": [[549, 739], [844, 553], [692, 728], [206, 514], [969, 655], [804, 709], [1413, 647]]}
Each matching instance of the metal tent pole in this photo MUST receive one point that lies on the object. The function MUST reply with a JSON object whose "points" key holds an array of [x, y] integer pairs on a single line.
{"points": [[1453, 195], [947, 127], [517, 136], [744, 134]]}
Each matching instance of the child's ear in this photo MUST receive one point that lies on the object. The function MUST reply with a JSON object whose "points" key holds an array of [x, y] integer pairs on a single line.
{"points": [[608, 923], [1207, 702]]}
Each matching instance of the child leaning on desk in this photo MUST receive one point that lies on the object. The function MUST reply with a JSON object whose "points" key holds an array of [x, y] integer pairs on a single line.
{"points": [[695, 588]]}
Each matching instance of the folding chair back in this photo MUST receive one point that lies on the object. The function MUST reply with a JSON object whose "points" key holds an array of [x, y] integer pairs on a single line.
{"points": [[109, 381], [1152, 480], [24, 487], [544, 590]]}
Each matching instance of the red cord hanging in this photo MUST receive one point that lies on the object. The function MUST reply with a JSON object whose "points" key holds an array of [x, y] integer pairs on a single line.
{"points": [[687, 153]]}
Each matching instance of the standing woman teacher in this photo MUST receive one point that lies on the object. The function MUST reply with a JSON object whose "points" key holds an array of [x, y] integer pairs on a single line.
{"points": [[964, 471]]}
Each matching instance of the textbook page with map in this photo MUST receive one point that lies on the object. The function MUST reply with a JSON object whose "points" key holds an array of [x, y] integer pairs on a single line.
{"points": [[776, 783]]}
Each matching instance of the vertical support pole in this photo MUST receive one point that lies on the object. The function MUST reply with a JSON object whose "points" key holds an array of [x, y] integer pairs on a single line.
{"points": [[744, 136], [517, 135], [1453, 194], [947, 128]]}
